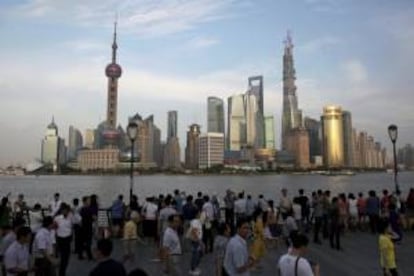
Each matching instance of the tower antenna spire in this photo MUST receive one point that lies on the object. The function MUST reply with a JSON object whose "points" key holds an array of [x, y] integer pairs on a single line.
{"points": [[114, 44]]}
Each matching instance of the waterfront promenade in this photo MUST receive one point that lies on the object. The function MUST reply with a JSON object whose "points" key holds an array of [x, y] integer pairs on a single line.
{"points": [[359, 258]]}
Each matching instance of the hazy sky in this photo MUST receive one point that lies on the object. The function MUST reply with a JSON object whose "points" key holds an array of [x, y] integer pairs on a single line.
{"points": [[175, 53]]}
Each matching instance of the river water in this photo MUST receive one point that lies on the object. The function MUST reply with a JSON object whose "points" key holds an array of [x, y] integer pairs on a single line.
{"points": [[41, 188]]}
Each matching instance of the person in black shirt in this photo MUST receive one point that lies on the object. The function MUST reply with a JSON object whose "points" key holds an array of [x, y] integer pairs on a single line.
{"points": [[86, 228], [106, 266]]}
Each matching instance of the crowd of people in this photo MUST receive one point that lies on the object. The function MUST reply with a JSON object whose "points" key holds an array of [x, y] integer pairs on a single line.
{"points": [[237, 229]]}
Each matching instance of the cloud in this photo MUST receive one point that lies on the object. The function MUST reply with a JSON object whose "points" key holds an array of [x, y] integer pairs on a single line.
{"points": [[355, 71], [202, 42], [148, 18], [327, 6]]}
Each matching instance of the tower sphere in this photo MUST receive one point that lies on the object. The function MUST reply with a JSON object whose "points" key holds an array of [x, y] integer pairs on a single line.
{"points": [[113, 70]]}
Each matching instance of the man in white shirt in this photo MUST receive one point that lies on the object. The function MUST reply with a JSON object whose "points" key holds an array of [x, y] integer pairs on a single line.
{"points": [[150, 213], [17, 258], [208, 210], [236, 259], [64, 223], [293, 263], [43, 248], [240, 207], [172, 247], [55, 205]]}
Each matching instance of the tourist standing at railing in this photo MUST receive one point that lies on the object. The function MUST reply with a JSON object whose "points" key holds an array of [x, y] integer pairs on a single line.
{"points": [[352, 211], [285, 203], [19, 206], [134, 205], [250, 208], [117, 215], [208, 224], [304, 203], [362, 212], [240, 207], [17, 256], [5, 212], [77, 224], [45, 261], [326, 205], [130, 236], [410, 209], [54, 205], [178, 201], [150, 213], [35, 218], [373, 210], [335, 222], [199, 201], [86, 228], [64, 225], [166, 211], [317, 215], [343, 207], [229, 200]]}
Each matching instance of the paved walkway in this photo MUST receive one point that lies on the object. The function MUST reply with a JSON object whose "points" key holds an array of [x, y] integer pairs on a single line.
{"points": [[359, 258]]}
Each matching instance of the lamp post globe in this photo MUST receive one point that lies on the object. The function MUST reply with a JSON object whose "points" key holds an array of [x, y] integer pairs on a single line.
{"points": [[393, 133], [132, 132]]}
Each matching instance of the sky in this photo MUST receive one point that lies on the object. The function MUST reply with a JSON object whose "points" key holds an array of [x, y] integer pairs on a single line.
{"points": [[175, 53]]}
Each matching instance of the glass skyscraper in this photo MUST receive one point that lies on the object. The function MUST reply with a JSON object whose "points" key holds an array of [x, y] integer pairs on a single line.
{"points": [[172, 124], [215, 115]]}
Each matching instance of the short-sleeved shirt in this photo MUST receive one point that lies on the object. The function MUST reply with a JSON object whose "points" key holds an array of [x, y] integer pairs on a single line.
{"points": [[6, 242], [165, 213], [64, 225], [43, 241], [287, 265], [387, 253], [171, 241], [130, 230], [150, 212], [236, 256], [16, 256], [36, 219]]}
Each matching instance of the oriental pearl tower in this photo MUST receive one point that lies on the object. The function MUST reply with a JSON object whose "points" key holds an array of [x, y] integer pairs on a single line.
{"points": [[113, 72]]}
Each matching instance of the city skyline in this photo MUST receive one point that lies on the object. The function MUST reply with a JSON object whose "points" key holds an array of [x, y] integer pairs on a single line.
{"points": [[57, 62]]}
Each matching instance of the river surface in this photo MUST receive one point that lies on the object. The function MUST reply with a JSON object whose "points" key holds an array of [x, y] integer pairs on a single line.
{"points": [[41, 188]]}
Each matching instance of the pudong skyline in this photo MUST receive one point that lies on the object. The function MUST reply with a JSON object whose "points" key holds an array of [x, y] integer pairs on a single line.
{"points": [[69, 85]]}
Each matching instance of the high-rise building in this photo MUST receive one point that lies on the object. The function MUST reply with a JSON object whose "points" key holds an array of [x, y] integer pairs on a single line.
{"points": [[53, 150], [291, 114], [314, 129], [172, 148], [236, 134], [256, 89], [90, 139], [75, 143], [298, 145], [250, 107], [157, 147], [332, 136], [211, 150], [146, 140], [192, 148], [356, 149], [363, 153], [172, 124], [348, 142], [270, 132], [215, 115]]}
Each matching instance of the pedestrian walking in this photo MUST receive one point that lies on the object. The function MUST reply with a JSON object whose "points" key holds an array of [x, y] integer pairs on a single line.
{"points": [[64, 226], [171, 245], [44, 259]]}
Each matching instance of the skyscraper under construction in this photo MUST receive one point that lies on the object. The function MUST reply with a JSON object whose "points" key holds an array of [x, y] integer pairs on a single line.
{"points": [[291, 116]]}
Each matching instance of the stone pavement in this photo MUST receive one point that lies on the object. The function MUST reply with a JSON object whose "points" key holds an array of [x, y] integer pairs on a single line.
{"points": [[359, 258]]}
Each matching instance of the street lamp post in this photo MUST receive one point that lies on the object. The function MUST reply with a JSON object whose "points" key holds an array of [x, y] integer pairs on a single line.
{"points": [[393, 133], [132, 131]]}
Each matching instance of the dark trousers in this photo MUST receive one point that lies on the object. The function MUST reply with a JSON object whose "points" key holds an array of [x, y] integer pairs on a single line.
{"points": [[86, 235], [208, 238], [77, 238], [334, 235], [393, 272], [63, 247], [230, 217], [373, 223], [325, 227], [317, 229], [43, 267]]}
